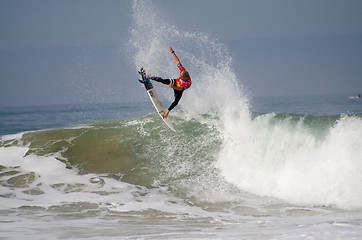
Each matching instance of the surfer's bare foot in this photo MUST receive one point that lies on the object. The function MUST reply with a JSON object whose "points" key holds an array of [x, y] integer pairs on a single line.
{"points": [[166, 114]]}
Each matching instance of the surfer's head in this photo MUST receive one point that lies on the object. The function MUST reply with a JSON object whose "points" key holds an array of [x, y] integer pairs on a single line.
{"points": [[184, 75]]}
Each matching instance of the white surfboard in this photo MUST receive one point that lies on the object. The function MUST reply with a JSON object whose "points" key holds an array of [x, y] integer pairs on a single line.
{"points": [[158, 105], [155, 99]]}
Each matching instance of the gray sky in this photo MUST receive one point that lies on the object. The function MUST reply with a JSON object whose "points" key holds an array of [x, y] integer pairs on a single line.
{"points": [[73, 51]]}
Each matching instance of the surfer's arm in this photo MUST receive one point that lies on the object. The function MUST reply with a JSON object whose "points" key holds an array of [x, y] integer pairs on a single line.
{"points": [[174, 55], [175, 87]]}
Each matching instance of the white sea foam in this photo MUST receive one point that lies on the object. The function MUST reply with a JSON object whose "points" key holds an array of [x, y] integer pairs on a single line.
{"points": [[58, 185], [287, 161]]}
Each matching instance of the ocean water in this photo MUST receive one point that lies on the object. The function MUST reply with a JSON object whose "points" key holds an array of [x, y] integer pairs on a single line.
{"points": [[278, 174], [237, 167]]}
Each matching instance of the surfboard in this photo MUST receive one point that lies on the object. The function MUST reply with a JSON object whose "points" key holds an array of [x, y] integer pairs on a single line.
{"points": [[155, 99]]}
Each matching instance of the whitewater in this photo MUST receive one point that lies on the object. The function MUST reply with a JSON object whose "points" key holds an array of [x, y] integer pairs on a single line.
{"points": [[228, 173]]}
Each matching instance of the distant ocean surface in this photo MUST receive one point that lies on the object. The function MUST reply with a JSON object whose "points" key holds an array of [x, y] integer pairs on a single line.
{"points": [[29, 118], [19, 119]]}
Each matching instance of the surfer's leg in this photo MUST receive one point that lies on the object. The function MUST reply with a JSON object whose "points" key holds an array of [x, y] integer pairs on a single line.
{"points": [[178, 95], [161, 80]]}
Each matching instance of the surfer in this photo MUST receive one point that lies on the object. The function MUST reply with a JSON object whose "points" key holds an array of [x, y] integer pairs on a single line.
{"points": [[178, 85], [355, 97]]}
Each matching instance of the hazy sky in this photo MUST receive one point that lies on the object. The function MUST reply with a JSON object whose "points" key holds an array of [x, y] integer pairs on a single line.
{"points": [[73, 51]]}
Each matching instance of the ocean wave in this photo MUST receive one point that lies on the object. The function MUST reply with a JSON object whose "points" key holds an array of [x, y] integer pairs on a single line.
{"points": [[303, 160]]}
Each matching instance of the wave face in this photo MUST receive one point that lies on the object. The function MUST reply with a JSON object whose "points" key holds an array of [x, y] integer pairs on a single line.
{"points": [[210, 162], [122, 162]]}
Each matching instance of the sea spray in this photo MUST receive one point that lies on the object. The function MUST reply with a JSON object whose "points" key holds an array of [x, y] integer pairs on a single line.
{"points": [[190, 158], [214, 84]]}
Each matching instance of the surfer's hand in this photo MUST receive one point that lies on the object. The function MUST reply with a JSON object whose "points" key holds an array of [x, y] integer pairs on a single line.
{"points": [[148, 76], [170, 49]]}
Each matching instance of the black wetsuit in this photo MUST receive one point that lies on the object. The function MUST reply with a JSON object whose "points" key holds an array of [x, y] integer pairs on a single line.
{"points": [[177, 93]]}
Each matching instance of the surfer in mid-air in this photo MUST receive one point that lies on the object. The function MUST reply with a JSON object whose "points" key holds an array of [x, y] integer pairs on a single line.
{"points": [[178, 85]]}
